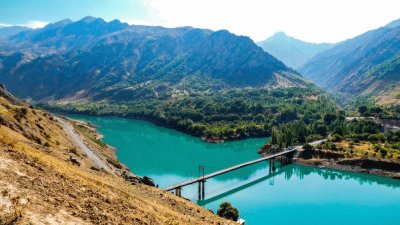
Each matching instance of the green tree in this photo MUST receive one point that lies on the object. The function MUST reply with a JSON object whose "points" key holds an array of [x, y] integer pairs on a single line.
{"points": [[308, 147], [227, 211], [329, 118], [363, 110]]}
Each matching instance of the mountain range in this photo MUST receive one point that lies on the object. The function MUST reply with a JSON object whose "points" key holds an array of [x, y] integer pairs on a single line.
{"points": [[98, 60], [367, 65], [12, 30], [95, 60], [293, 52]]}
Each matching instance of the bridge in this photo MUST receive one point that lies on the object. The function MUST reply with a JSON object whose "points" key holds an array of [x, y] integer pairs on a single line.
{"points": [[284, 158]]}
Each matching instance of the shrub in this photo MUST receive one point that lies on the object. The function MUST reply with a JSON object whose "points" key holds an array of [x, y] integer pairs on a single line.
{"points": [[227, 211], [73, 150], [336, 138], [20, 113], [2, 121], [373, 138]]}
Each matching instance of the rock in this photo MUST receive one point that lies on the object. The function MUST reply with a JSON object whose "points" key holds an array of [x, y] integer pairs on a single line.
{"points": [[148, 181], [136, 179], [74, 160], [95, 168]]}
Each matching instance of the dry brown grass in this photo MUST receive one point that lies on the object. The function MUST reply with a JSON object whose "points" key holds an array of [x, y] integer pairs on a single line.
{"points": [[61, 192], [389, 97]]}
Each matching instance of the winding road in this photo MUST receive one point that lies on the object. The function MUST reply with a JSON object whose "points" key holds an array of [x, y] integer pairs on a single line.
{"points": [[79, 143]]}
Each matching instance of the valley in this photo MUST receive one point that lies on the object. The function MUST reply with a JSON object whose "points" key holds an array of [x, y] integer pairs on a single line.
{"points": [[97, 116]]}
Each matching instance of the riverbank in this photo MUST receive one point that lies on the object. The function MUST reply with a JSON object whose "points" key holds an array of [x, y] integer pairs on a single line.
{"points": [[185, 130], [352, 165]]}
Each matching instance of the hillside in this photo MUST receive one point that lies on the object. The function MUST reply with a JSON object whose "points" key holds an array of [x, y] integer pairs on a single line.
{"points": [[92, 59], [46, 179], [383, 82], [366, 64], [293, 52]]}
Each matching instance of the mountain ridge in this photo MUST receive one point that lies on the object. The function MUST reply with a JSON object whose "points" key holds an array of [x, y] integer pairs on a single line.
{"points": [[12, 30], [109, 55], [293, 52], [350, 65]]}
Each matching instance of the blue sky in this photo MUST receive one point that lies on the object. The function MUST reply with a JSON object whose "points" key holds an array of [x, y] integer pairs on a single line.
{"points": [[310, 20], [23, 11]]}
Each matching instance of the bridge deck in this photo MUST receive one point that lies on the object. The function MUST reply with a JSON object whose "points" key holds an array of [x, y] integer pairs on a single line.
{"points": [[208, 176]]}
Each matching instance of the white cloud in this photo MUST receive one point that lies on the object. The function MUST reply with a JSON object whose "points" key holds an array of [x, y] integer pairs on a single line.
{"points": [[31, 23], [311, 20], [35, 24], [5, 25]]}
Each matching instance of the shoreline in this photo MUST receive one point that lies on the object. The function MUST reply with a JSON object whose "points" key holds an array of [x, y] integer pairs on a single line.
{"points": [[317, 163], [154, 122], [333, 164]]}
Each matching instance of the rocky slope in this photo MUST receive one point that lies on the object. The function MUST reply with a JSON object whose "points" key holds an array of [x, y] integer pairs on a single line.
{"points": [[95, 60], [381, 81], [45, 179], [293, 52], [367, 64]]}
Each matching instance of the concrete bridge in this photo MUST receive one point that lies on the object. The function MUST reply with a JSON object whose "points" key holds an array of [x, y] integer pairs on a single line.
{"points": [[283, 157]]}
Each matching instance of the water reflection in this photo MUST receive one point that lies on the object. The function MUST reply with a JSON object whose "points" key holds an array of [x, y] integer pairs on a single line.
{"points": [[289, 172]]}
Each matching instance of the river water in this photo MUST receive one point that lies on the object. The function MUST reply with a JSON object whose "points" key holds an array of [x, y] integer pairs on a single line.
{"points": [[291, 195]]}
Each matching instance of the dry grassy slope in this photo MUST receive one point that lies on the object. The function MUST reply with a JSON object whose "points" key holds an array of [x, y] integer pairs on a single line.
{"points": [[37, 179], [389, 97]]}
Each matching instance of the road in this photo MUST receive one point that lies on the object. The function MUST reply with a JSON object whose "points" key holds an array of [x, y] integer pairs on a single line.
{"points": [[388, 124], [79, 143], [299, 147]]}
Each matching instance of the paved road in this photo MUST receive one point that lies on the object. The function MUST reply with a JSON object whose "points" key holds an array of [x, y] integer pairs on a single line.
{"points": [[79, 143]]}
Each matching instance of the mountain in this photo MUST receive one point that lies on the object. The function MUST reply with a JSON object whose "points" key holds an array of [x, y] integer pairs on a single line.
{"points": [[393, 24], [366, 64], [12, 30], [381, 81], [291, 51], [97, 60]]}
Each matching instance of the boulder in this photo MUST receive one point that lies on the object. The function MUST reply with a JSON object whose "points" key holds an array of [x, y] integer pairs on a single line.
{"points": [[148, 181]]}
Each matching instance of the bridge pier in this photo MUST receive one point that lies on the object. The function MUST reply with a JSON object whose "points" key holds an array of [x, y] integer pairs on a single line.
{"points": [[178, 192], [201, 190], [272, 165], [284, 160], [287, 158]]}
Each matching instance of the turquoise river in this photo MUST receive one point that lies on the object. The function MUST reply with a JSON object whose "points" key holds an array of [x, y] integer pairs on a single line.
{"points": [[292, 195]]}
